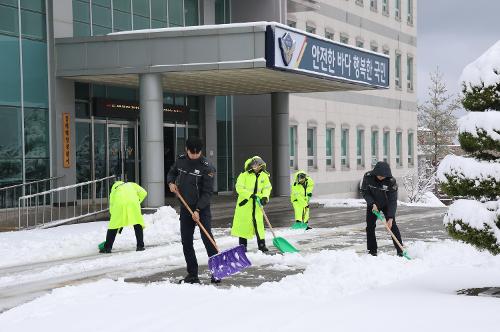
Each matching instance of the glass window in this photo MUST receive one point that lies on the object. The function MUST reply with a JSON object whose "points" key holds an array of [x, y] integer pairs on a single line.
{"points": [[293, 147], [81, 29], [409, 73], [360, 147], [33, 25], [180, 100], [10, 79], [311, 147], [410, 149], [141, 7], [386, 147], [11, 166], [81, 11], [374, 147], [9, 20], [36, 138], [122, 21], [344, 148], [397, 76], [191, 12], [82, 91], [100, 151], [159, 11], [34, 5], [194, 117], [140, 22], [385, 7], [373, 47], [310, 29], [329, 147], [360, 43], [123, 5], [35, 74], [344, 39], [329, 34], [399, 160], [385, 51], [175, 13], [409, 19], [104, 3], [193, 102], [359, 2], [373, 4], [223, 105], [82, 110], [220, 17], [397, 9], [101, 16], [83, 151], [291, 24]]}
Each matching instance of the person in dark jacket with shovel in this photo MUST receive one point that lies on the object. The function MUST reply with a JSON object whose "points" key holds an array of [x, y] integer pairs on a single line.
{"points": [[380, 191], [192, 176]]}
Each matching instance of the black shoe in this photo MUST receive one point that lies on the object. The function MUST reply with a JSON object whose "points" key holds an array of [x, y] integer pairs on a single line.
{"points": [[262, 246], [400, 254], [214, 281], [373, 253], [190, 279], [308, 228], [105, 251], [140, 249]]}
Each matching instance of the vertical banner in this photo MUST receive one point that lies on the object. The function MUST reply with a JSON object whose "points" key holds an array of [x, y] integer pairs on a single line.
{"points": [[66, 124]]}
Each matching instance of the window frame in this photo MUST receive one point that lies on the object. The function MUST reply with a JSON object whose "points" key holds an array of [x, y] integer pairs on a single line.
{"points": [[360, 148], [330, 132], [344, 139], [312, 159]]}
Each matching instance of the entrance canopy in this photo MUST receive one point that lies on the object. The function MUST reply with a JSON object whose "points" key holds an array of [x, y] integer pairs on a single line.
{"points": [[229, 59]]}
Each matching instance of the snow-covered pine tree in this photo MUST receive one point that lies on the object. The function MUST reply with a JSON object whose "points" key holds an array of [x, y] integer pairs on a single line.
{"points": [[475, 218]]}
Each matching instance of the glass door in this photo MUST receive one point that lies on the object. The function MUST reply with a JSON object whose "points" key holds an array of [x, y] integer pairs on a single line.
{"points": [[122, 151]]}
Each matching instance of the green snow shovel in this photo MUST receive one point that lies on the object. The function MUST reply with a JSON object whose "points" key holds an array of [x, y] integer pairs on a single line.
{"points": [[301, 225], [279, 242], [382, 219]]}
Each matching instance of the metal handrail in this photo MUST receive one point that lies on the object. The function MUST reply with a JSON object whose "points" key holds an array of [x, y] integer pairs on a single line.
{"points": [[62, 204], [30, 183]]}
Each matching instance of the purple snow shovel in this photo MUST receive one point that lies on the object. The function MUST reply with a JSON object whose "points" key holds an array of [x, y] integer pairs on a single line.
{"points": [[225, 263]]}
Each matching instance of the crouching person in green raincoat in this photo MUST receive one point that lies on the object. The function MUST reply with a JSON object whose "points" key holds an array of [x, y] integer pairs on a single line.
{"points": [[254, 188], [300, 195], [125, 208]]}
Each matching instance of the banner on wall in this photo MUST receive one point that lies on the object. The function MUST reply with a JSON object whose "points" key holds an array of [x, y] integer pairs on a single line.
{"points": [[66, 124]]}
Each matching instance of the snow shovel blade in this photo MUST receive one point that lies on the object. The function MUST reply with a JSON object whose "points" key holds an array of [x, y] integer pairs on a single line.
{"points": [[228, 262], [405, 255], [101, 245], [299, 225], [283, 245]]}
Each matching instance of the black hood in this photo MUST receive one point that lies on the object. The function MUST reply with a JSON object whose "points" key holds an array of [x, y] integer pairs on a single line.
{"points": [[382, 169]]}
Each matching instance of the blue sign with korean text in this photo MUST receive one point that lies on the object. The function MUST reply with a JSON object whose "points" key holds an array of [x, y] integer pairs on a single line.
{"points": [[300, 52]]}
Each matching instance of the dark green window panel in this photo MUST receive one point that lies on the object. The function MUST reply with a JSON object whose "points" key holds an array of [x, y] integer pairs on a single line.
{"points": [[101, 16], [193, 102], [103, 3], [98, 91], [35, 73], [168, 98], [99, 30], [37, 169], [11, 171], [10, 135], [33, 25], [159, 10], [123, 5], [227, 11], [36, 133], [141, 22], [175, 13], [191, 12], [10, 79], [35, 5], [9, 20], [193, 132], [180, 100], [82, 110], [158, 24], [122, 21], [141, 7], [81, 29], [83, 151], [81, 11], [117, 92], [194, 117], [82, 91], [9, 2]]}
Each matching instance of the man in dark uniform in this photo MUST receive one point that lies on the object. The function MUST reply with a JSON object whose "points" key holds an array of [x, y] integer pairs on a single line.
{"points": [[193, 177], [380, 191]]}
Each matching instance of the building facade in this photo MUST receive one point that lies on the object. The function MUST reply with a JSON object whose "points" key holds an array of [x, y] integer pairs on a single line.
{"points": [[335, 135]]}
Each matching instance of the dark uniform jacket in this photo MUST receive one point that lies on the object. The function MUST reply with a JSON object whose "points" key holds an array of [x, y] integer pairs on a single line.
{"points": [[195, 180], [383, 193]]}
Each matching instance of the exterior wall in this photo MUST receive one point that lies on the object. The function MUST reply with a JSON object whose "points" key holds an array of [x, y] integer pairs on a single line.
{"points": [[393, 109]]}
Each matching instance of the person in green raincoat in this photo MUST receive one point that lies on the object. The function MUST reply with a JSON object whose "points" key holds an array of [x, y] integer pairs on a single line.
{"points": [[125, 208], [254, 188], [300, 195]]}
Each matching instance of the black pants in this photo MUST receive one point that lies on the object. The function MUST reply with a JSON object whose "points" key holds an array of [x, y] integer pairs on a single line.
{"points": [[371, 223], [187, 231], [111, 235]]}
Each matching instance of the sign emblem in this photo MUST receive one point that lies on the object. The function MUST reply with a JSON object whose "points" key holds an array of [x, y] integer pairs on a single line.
{"points": [[287, 47]]}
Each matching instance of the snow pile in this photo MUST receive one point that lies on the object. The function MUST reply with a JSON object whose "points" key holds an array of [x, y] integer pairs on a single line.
{"points": [[482, 68], [489, 122], [328, 201], [468, 168], [328, 295], [39, 245], [428, 199], [475, 214]]}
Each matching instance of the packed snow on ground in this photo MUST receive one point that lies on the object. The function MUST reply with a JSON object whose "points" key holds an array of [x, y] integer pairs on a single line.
{"points": [[488, 122], [475, 214], [428, 200], [468, 168], [339, 290], [482, 68]]}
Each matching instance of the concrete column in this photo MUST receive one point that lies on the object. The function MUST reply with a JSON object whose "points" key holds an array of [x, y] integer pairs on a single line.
{"points": [[152, 173], [211, 132], [280, 144]]}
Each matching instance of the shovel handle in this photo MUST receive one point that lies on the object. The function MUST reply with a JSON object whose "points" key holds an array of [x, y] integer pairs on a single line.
{"points": [[267, 220], [197, 222], [379, 216]]}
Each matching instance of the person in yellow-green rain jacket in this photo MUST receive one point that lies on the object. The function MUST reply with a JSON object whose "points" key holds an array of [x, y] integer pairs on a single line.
{"points": [[300, 195], [253, 187], [125, 208]]}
